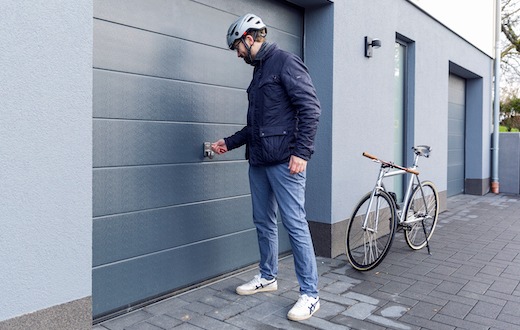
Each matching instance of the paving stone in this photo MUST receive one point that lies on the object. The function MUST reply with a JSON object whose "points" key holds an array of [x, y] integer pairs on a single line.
{"points": [[205, 322], [476, 287], [366, 287], [392, 324], [511, 308], [486, 309], [143, 326], [336, 298], [361, 297], [360, 311], [425, 323], [227, 311], [329, 310], [338, 287], [318, 323], [481, 297], [263, 310], [356, 324], [424, 310], [164, 321], [127, 320], [422, 287], [394, 298], [164, 306], [449, 287], [458, 323], [242, 322], [509, 318], [392, 310], [454, 298], [490, 322], [504, 286], [456, 309], [395, 287]]}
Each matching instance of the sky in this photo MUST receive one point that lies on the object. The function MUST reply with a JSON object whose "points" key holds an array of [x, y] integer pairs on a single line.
{"points": [[474, 20]]}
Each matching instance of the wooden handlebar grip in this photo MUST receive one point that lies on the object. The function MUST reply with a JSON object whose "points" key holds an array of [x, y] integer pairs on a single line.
{"points": [[413, 171], [366, 154]]}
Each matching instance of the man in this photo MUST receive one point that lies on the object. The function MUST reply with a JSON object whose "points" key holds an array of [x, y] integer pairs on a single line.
{"points": [[282, 119]]}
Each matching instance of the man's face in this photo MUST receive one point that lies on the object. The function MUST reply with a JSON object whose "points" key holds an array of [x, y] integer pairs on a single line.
{"points": [[241, 48]]}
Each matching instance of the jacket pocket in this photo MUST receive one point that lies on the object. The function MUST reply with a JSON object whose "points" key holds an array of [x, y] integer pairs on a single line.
{"points": [[276, 143]]}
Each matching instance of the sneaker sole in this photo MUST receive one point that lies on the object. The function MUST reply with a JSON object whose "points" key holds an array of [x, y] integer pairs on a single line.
{"points": [[304, 317], [268, 288]]}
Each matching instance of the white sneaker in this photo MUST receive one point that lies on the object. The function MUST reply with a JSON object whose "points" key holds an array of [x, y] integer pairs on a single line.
{"points": [[304, 308], [257, 284]]}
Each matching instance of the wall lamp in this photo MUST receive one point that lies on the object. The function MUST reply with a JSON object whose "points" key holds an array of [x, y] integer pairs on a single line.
{"points": [[370, 44]]}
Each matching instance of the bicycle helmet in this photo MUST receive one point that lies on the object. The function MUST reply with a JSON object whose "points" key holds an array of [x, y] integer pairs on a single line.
{"points": [[240, 27]]}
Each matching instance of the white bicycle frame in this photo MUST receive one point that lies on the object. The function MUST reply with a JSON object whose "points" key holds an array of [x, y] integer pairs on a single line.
{"points": [[389, 170]]}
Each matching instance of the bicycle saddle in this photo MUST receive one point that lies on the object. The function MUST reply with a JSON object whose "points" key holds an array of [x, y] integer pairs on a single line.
{"points": [[422, 150]]}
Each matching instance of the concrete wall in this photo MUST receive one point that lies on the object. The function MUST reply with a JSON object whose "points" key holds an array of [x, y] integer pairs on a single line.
{"points": [[45, 164]]}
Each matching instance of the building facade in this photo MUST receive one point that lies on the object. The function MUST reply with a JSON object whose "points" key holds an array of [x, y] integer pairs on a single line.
{"points": [[134, 211]]}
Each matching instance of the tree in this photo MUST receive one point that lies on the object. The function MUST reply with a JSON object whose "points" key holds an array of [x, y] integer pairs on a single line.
{"points": [[510, 64], [510, 54], [510, 113]]}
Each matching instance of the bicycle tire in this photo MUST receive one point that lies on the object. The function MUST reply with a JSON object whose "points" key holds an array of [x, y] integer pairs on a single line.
{"points": [[420, 220], [365, 248]]}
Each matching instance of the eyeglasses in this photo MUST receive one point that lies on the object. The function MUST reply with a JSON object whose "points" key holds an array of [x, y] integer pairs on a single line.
{"points": [[235, 44]]}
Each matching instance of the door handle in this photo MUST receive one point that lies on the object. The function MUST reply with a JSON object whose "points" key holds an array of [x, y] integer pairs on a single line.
{"points": [[207, 150]]}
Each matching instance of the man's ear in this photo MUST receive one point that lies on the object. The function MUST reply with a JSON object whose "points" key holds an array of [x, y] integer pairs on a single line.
{"points": [[250, 39]]}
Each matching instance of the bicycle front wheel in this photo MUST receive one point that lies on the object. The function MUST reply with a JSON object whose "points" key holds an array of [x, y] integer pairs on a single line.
{"points": [[370, 231], [421, 213]]}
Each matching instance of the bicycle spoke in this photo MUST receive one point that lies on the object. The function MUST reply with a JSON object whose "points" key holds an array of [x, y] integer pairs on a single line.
{"points": [[421, 215], [368, 240]]}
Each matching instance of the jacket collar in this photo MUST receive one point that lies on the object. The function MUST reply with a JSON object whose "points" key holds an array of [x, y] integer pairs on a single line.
{"points": [[264, 52]]}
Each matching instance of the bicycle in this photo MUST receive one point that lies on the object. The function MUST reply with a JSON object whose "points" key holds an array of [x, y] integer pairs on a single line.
{"points": [[376, 217]]}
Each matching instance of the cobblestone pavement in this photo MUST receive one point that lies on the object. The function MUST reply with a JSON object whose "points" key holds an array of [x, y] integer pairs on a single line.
{"points": [[470, 281]]}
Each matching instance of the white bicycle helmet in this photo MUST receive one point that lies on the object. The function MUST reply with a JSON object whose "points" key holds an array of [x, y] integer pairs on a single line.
{"points": [[240, 27]]}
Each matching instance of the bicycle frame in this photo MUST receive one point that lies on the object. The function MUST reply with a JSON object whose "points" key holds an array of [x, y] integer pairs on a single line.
{"points": [[389, 170]]}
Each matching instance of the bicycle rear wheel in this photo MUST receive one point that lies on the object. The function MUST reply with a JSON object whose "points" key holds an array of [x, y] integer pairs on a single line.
{"points": [[421, 212], [368, 243]]}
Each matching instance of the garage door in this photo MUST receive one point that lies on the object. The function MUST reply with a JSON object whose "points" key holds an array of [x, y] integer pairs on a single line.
{"points": [[456, 134], [165, 217]]}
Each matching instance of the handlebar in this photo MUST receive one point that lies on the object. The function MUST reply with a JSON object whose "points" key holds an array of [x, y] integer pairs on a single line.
{"points": [[406, 169]]}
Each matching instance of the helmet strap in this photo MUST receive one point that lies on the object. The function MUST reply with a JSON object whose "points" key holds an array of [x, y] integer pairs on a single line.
{"points": [[249, 47]]}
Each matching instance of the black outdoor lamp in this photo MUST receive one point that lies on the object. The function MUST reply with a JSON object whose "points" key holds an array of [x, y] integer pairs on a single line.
{"points": [[370, 44]]}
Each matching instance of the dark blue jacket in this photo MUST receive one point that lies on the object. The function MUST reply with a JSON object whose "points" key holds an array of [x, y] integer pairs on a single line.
{"points": [[283, 111]]}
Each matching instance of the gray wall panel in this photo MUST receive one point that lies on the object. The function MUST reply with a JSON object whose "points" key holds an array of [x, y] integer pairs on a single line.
{"points": [[121, 95], [126, 49], [117, 285], [132, 234], [123, 142], [178, 19], [129, 282], [118, 190]]}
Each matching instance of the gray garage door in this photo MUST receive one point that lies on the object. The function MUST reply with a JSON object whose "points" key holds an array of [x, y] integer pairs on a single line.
{"points": [[164, 82], [456, 134]]}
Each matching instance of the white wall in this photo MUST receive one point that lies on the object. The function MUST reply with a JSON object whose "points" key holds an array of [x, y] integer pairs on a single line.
{"points": [[45, 154]]}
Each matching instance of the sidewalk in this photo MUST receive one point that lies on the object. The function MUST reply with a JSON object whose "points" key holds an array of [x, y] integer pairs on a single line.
{"points": [[471, 281]]}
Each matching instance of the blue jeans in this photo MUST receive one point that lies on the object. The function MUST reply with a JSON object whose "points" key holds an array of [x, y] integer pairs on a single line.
{"points": [[273, 188]]}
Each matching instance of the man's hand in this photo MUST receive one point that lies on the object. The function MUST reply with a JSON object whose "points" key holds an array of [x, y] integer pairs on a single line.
{"points": [[219, 147], [297, 164]]}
